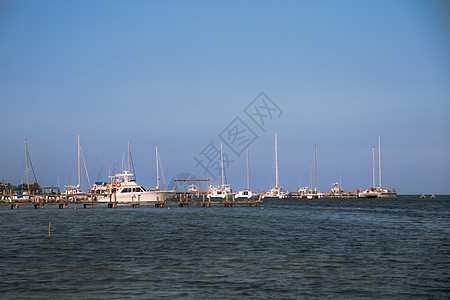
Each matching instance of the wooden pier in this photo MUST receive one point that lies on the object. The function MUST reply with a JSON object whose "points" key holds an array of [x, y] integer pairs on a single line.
{"points": [[89, 201]]}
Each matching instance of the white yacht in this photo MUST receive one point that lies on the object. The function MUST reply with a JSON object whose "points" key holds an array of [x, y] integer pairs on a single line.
{"points": [[122, 188], [276, 192], [219, 191], [369, 193]]}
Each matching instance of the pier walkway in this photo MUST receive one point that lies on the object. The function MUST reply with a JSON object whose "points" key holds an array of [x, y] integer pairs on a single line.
{"points": [[89, 201]]}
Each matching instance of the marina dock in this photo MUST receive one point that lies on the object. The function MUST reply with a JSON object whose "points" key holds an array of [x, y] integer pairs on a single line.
{"points": [[89, 201]]}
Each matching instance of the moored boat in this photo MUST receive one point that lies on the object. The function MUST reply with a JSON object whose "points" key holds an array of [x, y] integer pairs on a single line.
{"points": [[277, 191], [223, 190], [123, 188]]}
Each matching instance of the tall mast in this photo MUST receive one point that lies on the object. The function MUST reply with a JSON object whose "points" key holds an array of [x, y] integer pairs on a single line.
{"points": [[373, 166], [276, 162], [157, 168], [379, 161], [79, 163], [248, 173], [28, 169], [221, 158], [129, 157], [315, 168], [310, 177]]}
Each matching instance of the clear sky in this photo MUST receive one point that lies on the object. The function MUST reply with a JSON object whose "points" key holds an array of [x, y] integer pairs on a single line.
{"points": [[177, 74]]}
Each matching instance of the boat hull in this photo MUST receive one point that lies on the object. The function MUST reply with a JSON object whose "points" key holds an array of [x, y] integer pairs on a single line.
{"points": [[148, 196]]}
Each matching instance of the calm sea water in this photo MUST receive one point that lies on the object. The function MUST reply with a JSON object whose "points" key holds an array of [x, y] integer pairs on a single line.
{"points": [[288, 249]]}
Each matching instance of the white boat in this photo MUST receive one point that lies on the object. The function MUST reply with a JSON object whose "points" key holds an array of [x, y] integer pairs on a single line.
{"points": [[302, 192], [336, 189], [385, 193], [223, 190], [219, 191], [192, 189], [377, 191], [122, 188], [246, 193], [74, 191], [277, 191], [368, 193], [312, 193]]}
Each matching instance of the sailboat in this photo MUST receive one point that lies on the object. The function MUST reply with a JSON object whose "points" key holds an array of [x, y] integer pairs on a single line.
{"points": [[75, 190], [159, 170], [220, 191], [246, 193], [370, 192], [122, 187], [313, 193], [377, 191], [277, 191], [22, 193]]}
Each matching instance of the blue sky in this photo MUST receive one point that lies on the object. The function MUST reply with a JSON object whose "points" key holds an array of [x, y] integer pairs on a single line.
{"points": [[175, 74]]}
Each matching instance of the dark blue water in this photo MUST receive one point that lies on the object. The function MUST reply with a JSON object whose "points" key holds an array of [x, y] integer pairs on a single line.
{"points": [[289, 249]]}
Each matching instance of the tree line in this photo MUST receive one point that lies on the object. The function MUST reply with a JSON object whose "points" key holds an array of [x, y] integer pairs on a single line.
{"points": [[34, 188]]}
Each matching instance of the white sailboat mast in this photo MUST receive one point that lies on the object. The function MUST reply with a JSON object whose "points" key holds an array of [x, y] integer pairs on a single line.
{"points": [[79, 163], [248, 173], [379, 161], [157, 168], [223, 171], [373, 166], [276, 162], [315, 168], [28, 169], [129, 157]]}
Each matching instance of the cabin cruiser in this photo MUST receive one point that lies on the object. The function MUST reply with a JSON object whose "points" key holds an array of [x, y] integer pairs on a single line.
{"points": [[368, 193], [221, 191], [385, 193], [74, 192], [122, 188], [276, 192], [377, 192], [244, 194]]}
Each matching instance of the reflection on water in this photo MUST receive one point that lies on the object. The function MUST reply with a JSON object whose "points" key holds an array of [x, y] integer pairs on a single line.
{"points": [[289, 249]]}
